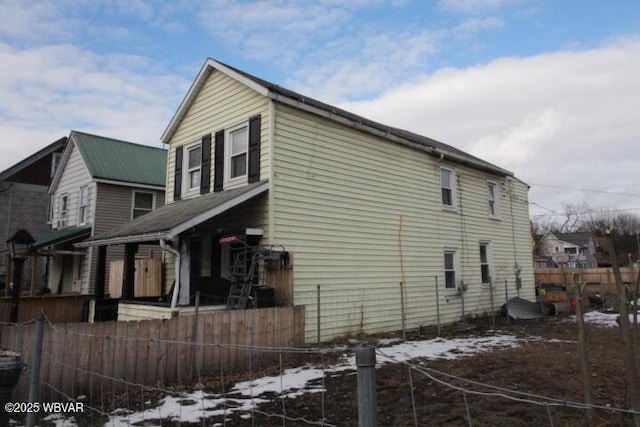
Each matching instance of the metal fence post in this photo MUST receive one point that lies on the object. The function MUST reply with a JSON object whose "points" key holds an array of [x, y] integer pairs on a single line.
{"points": [[318, 313], [367, 400], [437, 305], [493, 309], [506, 299], [36, 360], [404, 329]]}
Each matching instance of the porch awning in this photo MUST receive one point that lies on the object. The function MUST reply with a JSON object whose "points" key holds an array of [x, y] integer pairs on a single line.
{"points": [[170, 220], [61, 236]]}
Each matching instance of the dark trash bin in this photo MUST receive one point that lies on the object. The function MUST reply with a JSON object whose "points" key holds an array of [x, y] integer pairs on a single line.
{"points": [[11, 368]]}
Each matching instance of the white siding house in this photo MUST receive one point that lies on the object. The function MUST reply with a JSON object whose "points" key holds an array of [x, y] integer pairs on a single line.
{"points": [[360, 207], [98, 185]]}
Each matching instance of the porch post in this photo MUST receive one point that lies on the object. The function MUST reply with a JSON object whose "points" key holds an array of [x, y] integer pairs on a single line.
{"points": [[101, 273], [128, 278]]}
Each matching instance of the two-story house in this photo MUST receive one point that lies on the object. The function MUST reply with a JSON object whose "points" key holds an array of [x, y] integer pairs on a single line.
{"points": [[24, 205], [100, 183], [356, 204], [580, 246]]}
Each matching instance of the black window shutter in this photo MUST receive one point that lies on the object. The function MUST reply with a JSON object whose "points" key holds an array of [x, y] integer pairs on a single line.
{"points": [[254, 149], [218, 162], [205, 172], [177, 182]]}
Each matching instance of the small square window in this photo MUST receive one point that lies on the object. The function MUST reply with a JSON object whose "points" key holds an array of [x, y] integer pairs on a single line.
{"points": [[143, 202]]}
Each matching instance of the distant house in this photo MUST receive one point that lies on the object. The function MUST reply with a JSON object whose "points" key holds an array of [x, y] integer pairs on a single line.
{"points": [[627, 250], [581, 248], [24, 204], [357, 205], [101, 183]]}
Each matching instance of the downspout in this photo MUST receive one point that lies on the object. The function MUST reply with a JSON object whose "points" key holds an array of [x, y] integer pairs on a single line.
{"points": [[176, 286]]}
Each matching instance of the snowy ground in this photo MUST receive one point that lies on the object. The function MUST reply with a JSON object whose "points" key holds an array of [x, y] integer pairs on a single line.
{"points": [[192, 407]]}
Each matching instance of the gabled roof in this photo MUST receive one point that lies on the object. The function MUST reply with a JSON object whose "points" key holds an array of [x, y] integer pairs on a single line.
{"points": [[301, 102], [53, 147], [170, 220], [578, 239], [118, 161]]}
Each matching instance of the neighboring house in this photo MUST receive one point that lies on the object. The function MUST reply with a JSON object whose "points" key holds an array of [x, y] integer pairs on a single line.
{"points": [[357, 205], [581, 248], [24, 205], [627, 250], [100, 183]]}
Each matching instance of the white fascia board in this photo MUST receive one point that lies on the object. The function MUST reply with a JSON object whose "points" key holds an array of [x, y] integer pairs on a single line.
{"points": [[63, 164], [130, 184], [199, 219], [136, 238]]}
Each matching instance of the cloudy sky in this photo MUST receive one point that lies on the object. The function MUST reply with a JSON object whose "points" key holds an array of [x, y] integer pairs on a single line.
{"points": [[549, 90]]}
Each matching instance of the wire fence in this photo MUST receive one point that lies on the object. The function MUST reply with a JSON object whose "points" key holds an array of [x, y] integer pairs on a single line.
{"points": [[289, 385]]}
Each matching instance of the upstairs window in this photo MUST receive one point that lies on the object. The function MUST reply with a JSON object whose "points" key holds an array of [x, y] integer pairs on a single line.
{"points": [[143, 202], [492, 199], [194, 163], [83, 203], [447, 186], [237, 155], [64, 211]]}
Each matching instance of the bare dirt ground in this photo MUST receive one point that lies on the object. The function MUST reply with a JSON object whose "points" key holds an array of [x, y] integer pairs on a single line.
{"points": [[546, 367]]}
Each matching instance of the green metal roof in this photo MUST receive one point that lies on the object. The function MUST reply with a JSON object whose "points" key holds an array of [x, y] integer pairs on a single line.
{"points": [[62, 235], [116, 160]]}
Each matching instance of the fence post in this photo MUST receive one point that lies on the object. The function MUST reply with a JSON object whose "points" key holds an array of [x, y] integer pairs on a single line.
{"points": [[367, 401], [318, 313], [194, 337], [437, 306], [506, 299], [404, 329], [493, 309], [36, 360]]}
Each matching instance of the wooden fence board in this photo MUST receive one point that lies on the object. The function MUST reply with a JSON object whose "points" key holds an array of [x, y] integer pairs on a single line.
{"points": [[137, 351]]}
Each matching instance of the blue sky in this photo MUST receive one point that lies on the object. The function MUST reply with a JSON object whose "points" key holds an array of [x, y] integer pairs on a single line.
{"points": [[547, 89]]}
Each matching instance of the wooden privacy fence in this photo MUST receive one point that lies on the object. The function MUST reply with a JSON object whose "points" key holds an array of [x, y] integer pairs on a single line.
{"points": [[91, 359], [59, 308]]}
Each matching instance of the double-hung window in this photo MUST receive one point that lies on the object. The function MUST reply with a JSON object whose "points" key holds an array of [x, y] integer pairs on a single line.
{"points": [[450, 269], [193, 167], [83, 205], [236, 155], [492, 199], [485, 262], [143, 202], [64, 211], [447, 187]]}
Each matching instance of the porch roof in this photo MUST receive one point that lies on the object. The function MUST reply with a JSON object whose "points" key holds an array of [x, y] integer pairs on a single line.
{"points": [[61, 236], [175, 218]]}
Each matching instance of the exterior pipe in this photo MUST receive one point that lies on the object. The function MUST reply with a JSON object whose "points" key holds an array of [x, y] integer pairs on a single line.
{"points": [[176, 287]]}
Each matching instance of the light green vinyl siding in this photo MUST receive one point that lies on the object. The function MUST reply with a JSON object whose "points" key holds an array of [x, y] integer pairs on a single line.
{"points": [[357, 211], [221, 103]]}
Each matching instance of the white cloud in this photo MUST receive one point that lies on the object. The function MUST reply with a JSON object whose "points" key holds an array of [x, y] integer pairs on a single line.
{"points": [[565, 118], [472, 6], [45, 94]]}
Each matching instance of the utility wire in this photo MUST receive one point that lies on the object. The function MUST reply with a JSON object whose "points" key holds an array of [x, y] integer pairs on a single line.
{"points": [[588, 190]]}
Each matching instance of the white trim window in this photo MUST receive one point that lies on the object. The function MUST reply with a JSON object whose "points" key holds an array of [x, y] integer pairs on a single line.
{"points": [[142, 202], [451, 275], [63, 217], [236, 162], [448, 187], [83, 205], [492, 199], [485, 263], [193, 167]]}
